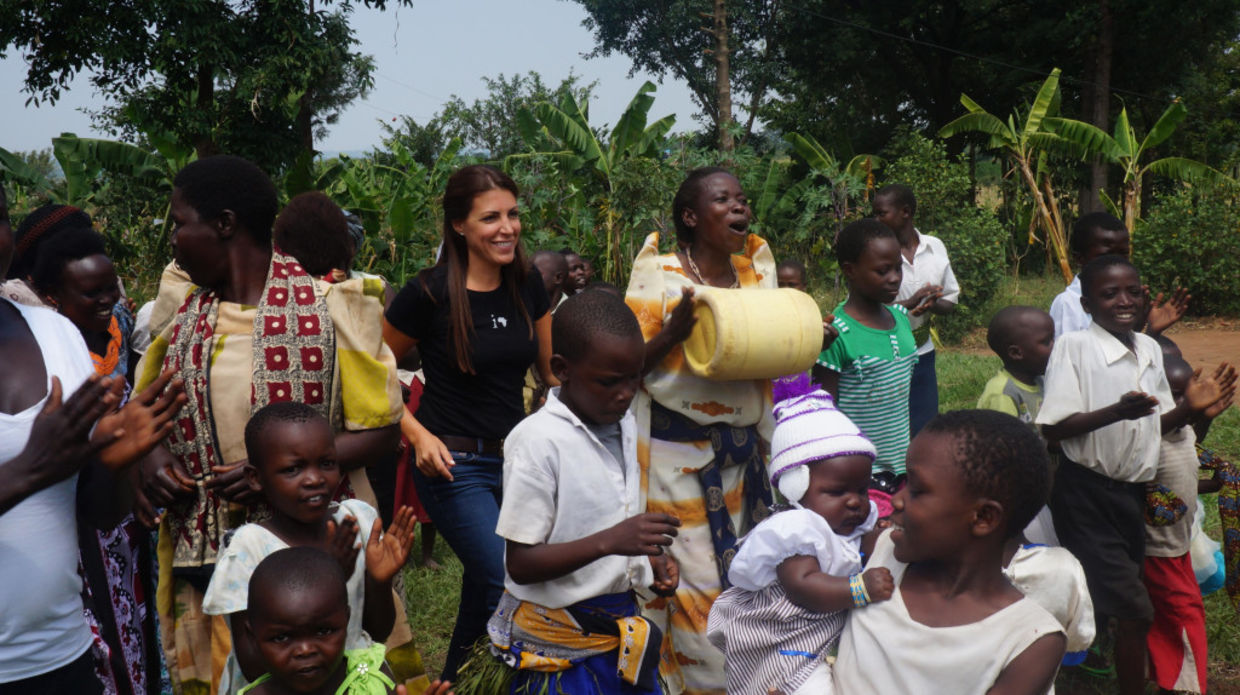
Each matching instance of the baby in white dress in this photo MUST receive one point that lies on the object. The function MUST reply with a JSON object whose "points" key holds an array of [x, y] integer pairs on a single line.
{"points": [[796, 573]]}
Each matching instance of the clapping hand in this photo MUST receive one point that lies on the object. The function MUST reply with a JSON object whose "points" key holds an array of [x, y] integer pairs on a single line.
{"points": [[1135, 405], [386, 552], [1159, 317], [342, 542], [60, 438], [1203, 393], [145, 420]]}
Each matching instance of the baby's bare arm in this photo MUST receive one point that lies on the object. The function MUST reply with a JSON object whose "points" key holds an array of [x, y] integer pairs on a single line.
{"points": [[812, 589]]}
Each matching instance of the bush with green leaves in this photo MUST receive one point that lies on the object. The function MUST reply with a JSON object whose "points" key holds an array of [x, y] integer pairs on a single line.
{"points": [[976, 242], [1191, 238]]}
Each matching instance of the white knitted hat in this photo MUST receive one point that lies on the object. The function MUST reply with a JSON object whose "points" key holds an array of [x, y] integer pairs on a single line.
{"points": [[808, 427]]}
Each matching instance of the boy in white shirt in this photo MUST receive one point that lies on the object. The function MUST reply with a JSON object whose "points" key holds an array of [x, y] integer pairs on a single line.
{"points": [[1101, 234], [578, 545], [1110, 436], [928, 287]]}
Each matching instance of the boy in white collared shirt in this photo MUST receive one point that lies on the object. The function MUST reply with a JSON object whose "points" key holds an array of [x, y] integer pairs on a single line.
{"points": [[1107, 402], [928, 287], [578, 543], [1093, 235]]}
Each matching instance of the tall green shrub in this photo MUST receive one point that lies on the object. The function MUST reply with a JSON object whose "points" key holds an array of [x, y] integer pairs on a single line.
{"points": [[1191, 238], [975, 240]]}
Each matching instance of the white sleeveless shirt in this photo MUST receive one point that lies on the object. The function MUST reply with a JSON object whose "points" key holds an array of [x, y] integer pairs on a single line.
{"points": [[883, 650], [42, 626]]}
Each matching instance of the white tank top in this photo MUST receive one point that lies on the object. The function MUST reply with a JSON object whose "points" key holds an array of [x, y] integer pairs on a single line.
{"points": [[883, 650], [42, 626]]}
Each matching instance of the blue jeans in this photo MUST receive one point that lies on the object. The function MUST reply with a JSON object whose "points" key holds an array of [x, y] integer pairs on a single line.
{"points": [[923, 394], [465, 511]]}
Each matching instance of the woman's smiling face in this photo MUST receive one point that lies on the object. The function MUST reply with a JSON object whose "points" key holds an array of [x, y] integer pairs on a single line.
{"points": [[492, 229]]}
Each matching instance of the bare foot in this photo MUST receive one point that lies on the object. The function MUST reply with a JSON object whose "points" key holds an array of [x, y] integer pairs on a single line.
{"points": [[429, 563]]}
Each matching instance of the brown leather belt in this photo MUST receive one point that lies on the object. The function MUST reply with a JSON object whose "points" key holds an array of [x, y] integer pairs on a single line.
{"points": [[474, 445]]}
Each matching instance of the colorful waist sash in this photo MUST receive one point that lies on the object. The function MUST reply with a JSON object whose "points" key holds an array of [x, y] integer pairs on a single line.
{"points": [[530, 637]]}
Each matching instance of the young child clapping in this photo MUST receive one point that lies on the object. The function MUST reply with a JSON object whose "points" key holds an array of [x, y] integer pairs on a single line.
{"points": [[799, 571], [292, 461]]}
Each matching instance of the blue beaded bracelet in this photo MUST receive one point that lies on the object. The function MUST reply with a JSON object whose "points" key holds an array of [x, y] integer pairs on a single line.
{"points": [[860, 596]]}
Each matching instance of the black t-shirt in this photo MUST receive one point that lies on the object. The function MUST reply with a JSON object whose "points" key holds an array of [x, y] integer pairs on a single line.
{"points": [[487, 403]]}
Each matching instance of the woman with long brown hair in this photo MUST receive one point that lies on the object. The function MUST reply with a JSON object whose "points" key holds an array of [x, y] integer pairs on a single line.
{"points": [[479, 320]]}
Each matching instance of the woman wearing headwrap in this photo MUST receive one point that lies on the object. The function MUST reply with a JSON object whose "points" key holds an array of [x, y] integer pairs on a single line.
{"points": [[255, 328]]}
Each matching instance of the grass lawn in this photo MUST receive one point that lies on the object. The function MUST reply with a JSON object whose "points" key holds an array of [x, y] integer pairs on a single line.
{"points": [[431, 596]]}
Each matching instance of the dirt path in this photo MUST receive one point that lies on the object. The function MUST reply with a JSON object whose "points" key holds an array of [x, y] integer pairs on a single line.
{"points": [[1206, 343]]}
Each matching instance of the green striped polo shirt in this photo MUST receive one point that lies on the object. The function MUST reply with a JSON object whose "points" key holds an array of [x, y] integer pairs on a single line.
{"points": [[875, 368]]}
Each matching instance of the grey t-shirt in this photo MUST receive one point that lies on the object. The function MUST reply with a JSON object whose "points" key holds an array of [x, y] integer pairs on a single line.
{"points": [[609, 437]]}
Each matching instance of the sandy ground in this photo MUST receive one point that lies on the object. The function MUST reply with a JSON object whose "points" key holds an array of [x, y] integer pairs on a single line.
{"points": [[1206, 343]]}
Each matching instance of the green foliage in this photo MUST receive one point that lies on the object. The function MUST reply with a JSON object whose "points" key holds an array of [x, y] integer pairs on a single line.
{"points": [[257, 79], [562, 133], [398, 200], [491, 125], [1191, 238], [668, 37], [975, 241]]}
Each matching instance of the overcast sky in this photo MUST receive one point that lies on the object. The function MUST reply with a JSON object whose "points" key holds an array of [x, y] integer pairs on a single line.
{"points": [[423, 55]]}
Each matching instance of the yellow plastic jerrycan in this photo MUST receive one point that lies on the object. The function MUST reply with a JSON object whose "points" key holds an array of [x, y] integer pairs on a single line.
{"points": [[753, 333]]}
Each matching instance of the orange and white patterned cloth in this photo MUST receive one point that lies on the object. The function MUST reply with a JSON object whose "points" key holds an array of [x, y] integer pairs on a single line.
{"points": [[670, 479]]}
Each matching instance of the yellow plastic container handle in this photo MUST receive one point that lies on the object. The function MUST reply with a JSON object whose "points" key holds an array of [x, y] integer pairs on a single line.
{"points": [[753, 333]]}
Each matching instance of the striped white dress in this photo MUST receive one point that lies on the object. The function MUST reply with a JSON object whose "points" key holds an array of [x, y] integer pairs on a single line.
{"points": [[769, 641], [875, 368]]}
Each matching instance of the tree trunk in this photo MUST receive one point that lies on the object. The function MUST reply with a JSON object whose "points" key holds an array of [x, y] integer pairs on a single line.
{"points": [[723, 87], [1132, 203], [1054, 233], [305, 110], [1100, 103], [204, 143]]}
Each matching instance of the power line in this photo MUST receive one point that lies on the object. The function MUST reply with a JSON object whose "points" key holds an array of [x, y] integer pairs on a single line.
{"points": [[965, 54], [423, 92], [379, 108]]}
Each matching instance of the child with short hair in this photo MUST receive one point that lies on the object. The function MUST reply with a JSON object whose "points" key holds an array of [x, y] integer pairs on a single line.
{"points": [[578, 544], [869, 367], [1101, 234], [791, 273], [928, 287], [1177, 638], [798, 571], [292, 461], [297, 615], [954, 623], [1093, 235], [1110, 437], [1022, 337]]}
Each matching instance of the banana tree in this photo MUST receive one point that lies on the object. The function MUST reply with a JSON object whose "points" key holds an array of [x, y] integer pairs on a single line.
{"points": [[1026, 140], [1123, 148], [562, 131], [397, 195], [846, 181]]}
